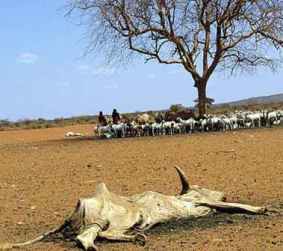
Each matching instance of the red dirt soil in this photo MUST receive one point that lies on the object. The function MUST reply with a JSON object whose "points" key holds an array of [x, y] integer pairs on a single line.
{"points": [[42, 175]]}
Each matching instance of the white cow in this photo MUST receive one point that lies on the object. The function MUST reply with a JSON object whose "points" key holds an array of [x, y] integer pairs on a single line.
{"points": [[103, 130], [168, 127], [119, 129], [254, 119], [114, 217], [156, 128], [188, 125], [273, 118]]}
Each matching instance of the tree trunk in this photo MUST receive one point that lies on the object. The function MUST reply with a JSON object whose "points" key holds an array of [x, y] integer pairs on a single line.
{"points": [[201, 87]]}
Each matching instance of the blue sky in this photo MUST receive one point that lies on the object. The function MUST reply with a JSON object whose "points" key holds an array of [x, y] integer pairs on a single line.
{"points": [[44, 73]]}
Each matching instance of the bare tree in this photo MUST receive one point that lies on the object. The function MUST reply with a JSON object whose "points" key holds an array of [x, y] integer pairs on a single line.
{"points": [[200, 35]]}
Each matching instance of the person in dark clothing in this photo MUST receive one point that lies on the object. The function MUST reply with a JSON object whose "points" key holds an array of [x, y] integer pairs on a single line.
{"points": [[115, 117], [101, 119]]}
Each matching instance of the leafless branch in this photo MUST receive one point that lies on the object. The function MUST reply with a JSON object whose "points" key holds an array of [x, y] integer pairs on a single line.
{"points": [[201, 35]]}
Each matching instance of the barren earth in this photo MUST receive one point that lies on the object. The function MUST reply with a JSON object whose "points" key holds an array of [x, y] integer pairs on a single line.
{"points": [[42, 175]]}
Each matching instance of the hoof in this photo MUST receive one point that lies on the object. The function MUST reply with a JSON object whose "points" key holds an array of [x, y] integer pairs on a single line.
{"points": [[94, 248], [140, 239], [91, 247]]}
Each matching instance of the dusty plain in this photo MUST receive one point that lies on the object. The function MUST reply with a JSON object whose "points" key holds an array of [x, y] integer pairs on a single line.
{"points": [[42, 175]]}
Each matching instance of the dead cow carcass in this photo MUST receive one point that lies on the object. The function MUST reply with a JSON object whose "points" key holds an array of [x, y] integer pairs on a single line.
{"points": [[114, 217]]}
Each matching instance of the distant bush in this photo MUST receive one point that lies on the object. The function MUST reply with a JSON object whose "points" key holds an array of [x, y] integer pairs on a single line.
{"points": [[4, 123], [177, 108]]}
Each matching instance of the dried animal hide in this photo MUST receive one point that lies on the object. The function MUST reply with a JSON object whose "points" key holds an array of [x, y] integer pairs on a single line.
{"points": [[114, 217]]}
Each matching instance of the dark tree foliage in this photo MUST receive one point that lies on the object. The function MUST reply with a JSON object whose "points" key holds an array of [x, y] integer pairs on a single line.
{"points": [[200, 35]]}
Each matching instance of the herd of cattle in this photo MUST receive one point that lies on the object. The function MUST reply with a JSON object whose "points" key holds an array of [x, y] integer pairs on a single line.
{"points": [[148, 125]]}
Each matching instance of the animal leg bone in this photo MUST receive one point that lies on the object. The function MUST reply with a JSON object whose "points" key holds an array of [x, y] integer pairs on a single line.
{"points": [[139, 238], [7, 246], [232, 207], [88, 236], [90, 233]]}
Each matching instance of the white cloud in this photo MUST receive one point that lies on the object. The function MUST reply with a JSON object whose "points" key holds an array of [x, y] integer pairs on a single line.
{"points": [[27, 58]]}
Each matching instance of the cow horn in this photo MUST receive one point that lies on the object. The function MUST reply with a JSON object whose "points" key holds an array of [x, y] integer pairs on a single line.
{"points": [[184, 180]]}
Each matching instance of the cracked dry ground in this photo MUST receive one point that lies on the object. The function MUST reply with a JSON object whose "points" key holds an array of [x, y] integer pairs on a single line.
{"points": [[42, 175]]}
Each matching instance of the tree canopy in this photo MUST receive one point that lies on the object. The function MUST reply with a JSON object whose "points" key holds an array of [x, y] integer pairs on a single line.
{"points": [[200, 35]]}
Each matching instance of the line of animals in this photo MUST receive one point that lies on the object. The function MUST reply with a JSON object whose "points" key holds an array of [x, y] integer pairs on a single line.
{"points": [[148, 125]]}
